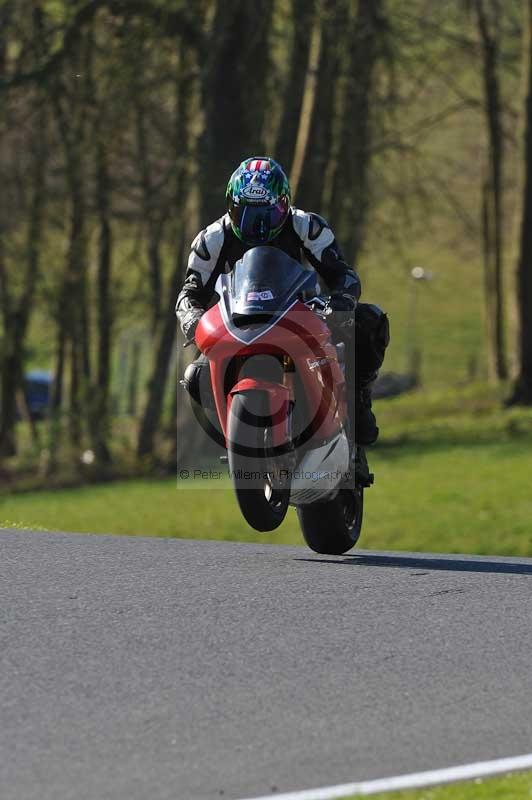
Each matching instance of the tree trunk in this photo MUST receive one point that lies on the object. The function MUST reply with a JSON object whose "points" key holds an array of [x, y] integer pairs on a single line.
{"points": [[16, 317], [348, 171], [17, 310], [311, 189], [133, 380], [59, 370], [154, 217], [492, 217], [10, 378], [67, 311], [101, 390], [76, 300], [75, 413], [72, 313], [302, 12], [308, 103], [231, 98], [57, 399], [522, 394], [151, 418], [157, 385], [8, 374]]}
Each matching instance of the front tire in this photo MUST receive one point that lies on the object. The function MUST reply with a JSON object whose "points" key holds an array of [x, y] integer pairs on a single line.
{"points": [[261, 488], [333, 527]]}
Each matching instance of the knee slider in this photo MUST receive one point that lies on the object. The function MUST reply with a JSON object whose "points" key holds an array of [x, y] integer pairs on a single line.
{"points": [[374, 323], [191, 381]]}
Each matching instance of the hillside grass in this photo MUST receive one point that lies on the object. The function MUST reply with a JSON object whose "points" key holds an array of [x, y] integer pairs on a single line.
{"points": [[452, 475], [510, 787]]}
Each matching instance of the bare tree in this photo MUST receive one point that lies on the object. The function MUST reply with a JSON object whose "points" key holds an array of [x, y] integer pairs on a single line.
{"points": [[292, 97], [155, 206], [312, 192], [100, 391], [234, 106], [308, 100], [16, 306], [488, 15], [349, 168], [522, 394], [166, 334], [71, 116]]}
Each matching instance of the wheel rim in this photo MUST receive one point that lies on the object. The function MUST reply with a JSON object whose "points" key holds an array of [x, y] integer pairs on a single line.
{"points": [[274, 485], [351, 509]]}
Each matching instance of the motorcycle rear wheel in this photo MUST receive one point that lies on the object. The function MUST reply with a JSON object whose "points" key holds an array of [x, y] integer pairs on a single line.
{"points": [[261, 489], [333, 527]]}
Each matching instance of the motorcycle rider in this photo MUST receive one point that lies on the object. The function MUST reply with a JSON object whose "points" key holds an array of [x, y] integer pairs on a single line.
{"points": [[259, 212]]}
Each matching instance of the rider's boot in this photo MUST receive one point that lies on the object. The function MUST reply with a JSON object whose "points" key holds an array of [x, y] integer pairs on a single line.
{"points": [[366, 430], [363, 429], [359, 463]]}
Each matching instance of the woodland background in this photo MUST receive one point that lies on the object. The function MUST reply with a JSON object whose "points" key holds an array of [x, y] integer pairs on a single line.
{"points": [[406, 123]]}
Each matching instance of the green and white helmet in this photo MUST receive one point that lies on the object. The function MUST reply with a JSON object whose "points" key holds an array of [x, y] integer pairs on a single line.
{"points": [[258, 200]]}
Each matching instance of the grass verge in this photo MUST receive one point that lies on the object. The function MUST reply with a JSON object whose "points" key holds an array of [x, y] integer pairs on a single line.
{"points": [[462, 499], [452, 475], [510, 787]]}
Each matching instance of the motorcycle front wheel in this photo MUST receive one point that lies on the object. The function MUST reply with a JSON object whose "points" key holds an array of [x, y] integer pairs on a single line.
{"points": [[260, 479], [333, 527]]}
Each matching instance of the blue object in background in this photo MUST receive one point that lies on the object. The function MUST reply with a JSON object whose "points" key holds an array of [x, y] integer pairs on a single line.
{"points": [[38, 390]]}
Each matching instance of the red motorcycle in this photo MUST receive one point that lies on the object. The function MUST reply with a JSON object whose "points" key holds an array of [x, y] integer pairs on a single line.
{"points": [[280, 399]]}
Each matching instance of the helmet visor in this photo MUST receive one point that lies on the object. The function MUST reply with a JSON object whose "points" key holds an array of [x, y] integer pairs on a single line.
{"points": [[257, 224]]}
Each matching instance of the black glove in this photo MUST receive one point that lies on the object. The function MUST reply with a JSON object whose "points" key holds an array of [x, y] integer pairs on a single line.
{"points": [[189, 323], [340, 310]]}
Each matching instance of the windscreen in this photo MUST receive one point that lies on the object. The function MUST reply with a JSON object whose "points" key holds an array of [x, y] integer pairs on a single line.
{"points": [[266, 280]]}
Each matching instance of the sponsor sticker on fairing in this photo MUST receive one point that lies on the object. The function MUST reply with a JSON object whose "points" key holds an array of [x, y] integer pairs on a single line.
{"points": [[256, 297], [315, 363]]}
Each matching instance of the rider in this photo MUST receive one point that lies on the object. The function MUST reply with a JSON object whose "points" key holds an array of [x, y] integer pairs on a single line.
{"points": [[259, 213]]}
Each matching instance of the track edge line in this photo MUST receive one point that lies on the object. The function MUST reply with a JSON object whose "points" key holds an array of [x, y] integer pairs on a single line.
{"points": [[414, 780]]}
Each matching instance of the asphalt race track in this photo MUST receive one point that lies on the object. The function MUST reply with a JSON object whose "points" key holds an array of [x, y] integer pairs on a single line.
{"points": [[159, 668]]}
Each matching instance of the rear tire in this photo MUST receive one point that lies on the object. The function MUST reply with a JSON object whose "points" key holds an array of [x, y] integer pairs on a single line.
{"points": [[333, 526], [257, 476]]}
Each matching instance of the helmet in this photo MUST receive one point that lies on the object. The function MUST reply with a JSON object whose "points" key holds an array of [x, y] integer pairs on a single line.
{"points": [[258, 200]]}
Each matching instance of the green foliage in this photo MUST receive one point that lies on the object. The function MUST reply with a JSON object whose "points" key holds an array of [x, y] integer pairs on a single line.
{"points": [[59, 11], [116, 74]]}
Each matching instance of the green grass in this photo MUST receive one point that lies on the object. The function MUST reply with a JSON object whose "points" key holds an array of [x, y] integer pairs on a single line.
{"points": [[444, 317], [459, 482], [511, 787], [464, 499], [452, 475]]}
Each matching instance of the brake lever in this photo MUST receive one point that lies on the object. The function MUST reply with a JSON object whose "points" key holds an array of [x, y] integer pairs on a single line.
{"points": [[318, 306]]}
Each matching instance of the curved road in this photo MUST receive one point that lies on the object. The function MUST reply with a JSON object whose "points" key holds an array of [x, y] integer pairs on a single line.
{"points": [[159, 668]]}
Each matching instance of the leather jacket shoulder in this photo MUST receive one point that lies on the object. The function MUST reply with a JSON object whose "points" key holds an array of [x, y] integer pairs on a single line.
{"points": [[323, 253], [306, 237]]}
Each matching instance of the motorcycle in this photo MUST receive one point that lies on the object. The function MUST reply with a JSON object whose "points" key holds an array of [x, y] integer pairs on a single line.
{"points": [[280, 400]]}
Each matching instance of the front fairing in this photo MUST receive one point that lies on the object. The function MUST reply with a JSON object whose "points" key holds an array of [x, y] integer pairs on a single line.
{"points": [[262, 286], [300, 334], [260, 312]]}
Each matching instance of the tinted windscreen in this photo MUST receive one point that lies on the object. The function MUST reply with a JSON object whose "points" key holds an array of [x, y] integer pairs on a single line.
{"points": [[265, 280]]}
